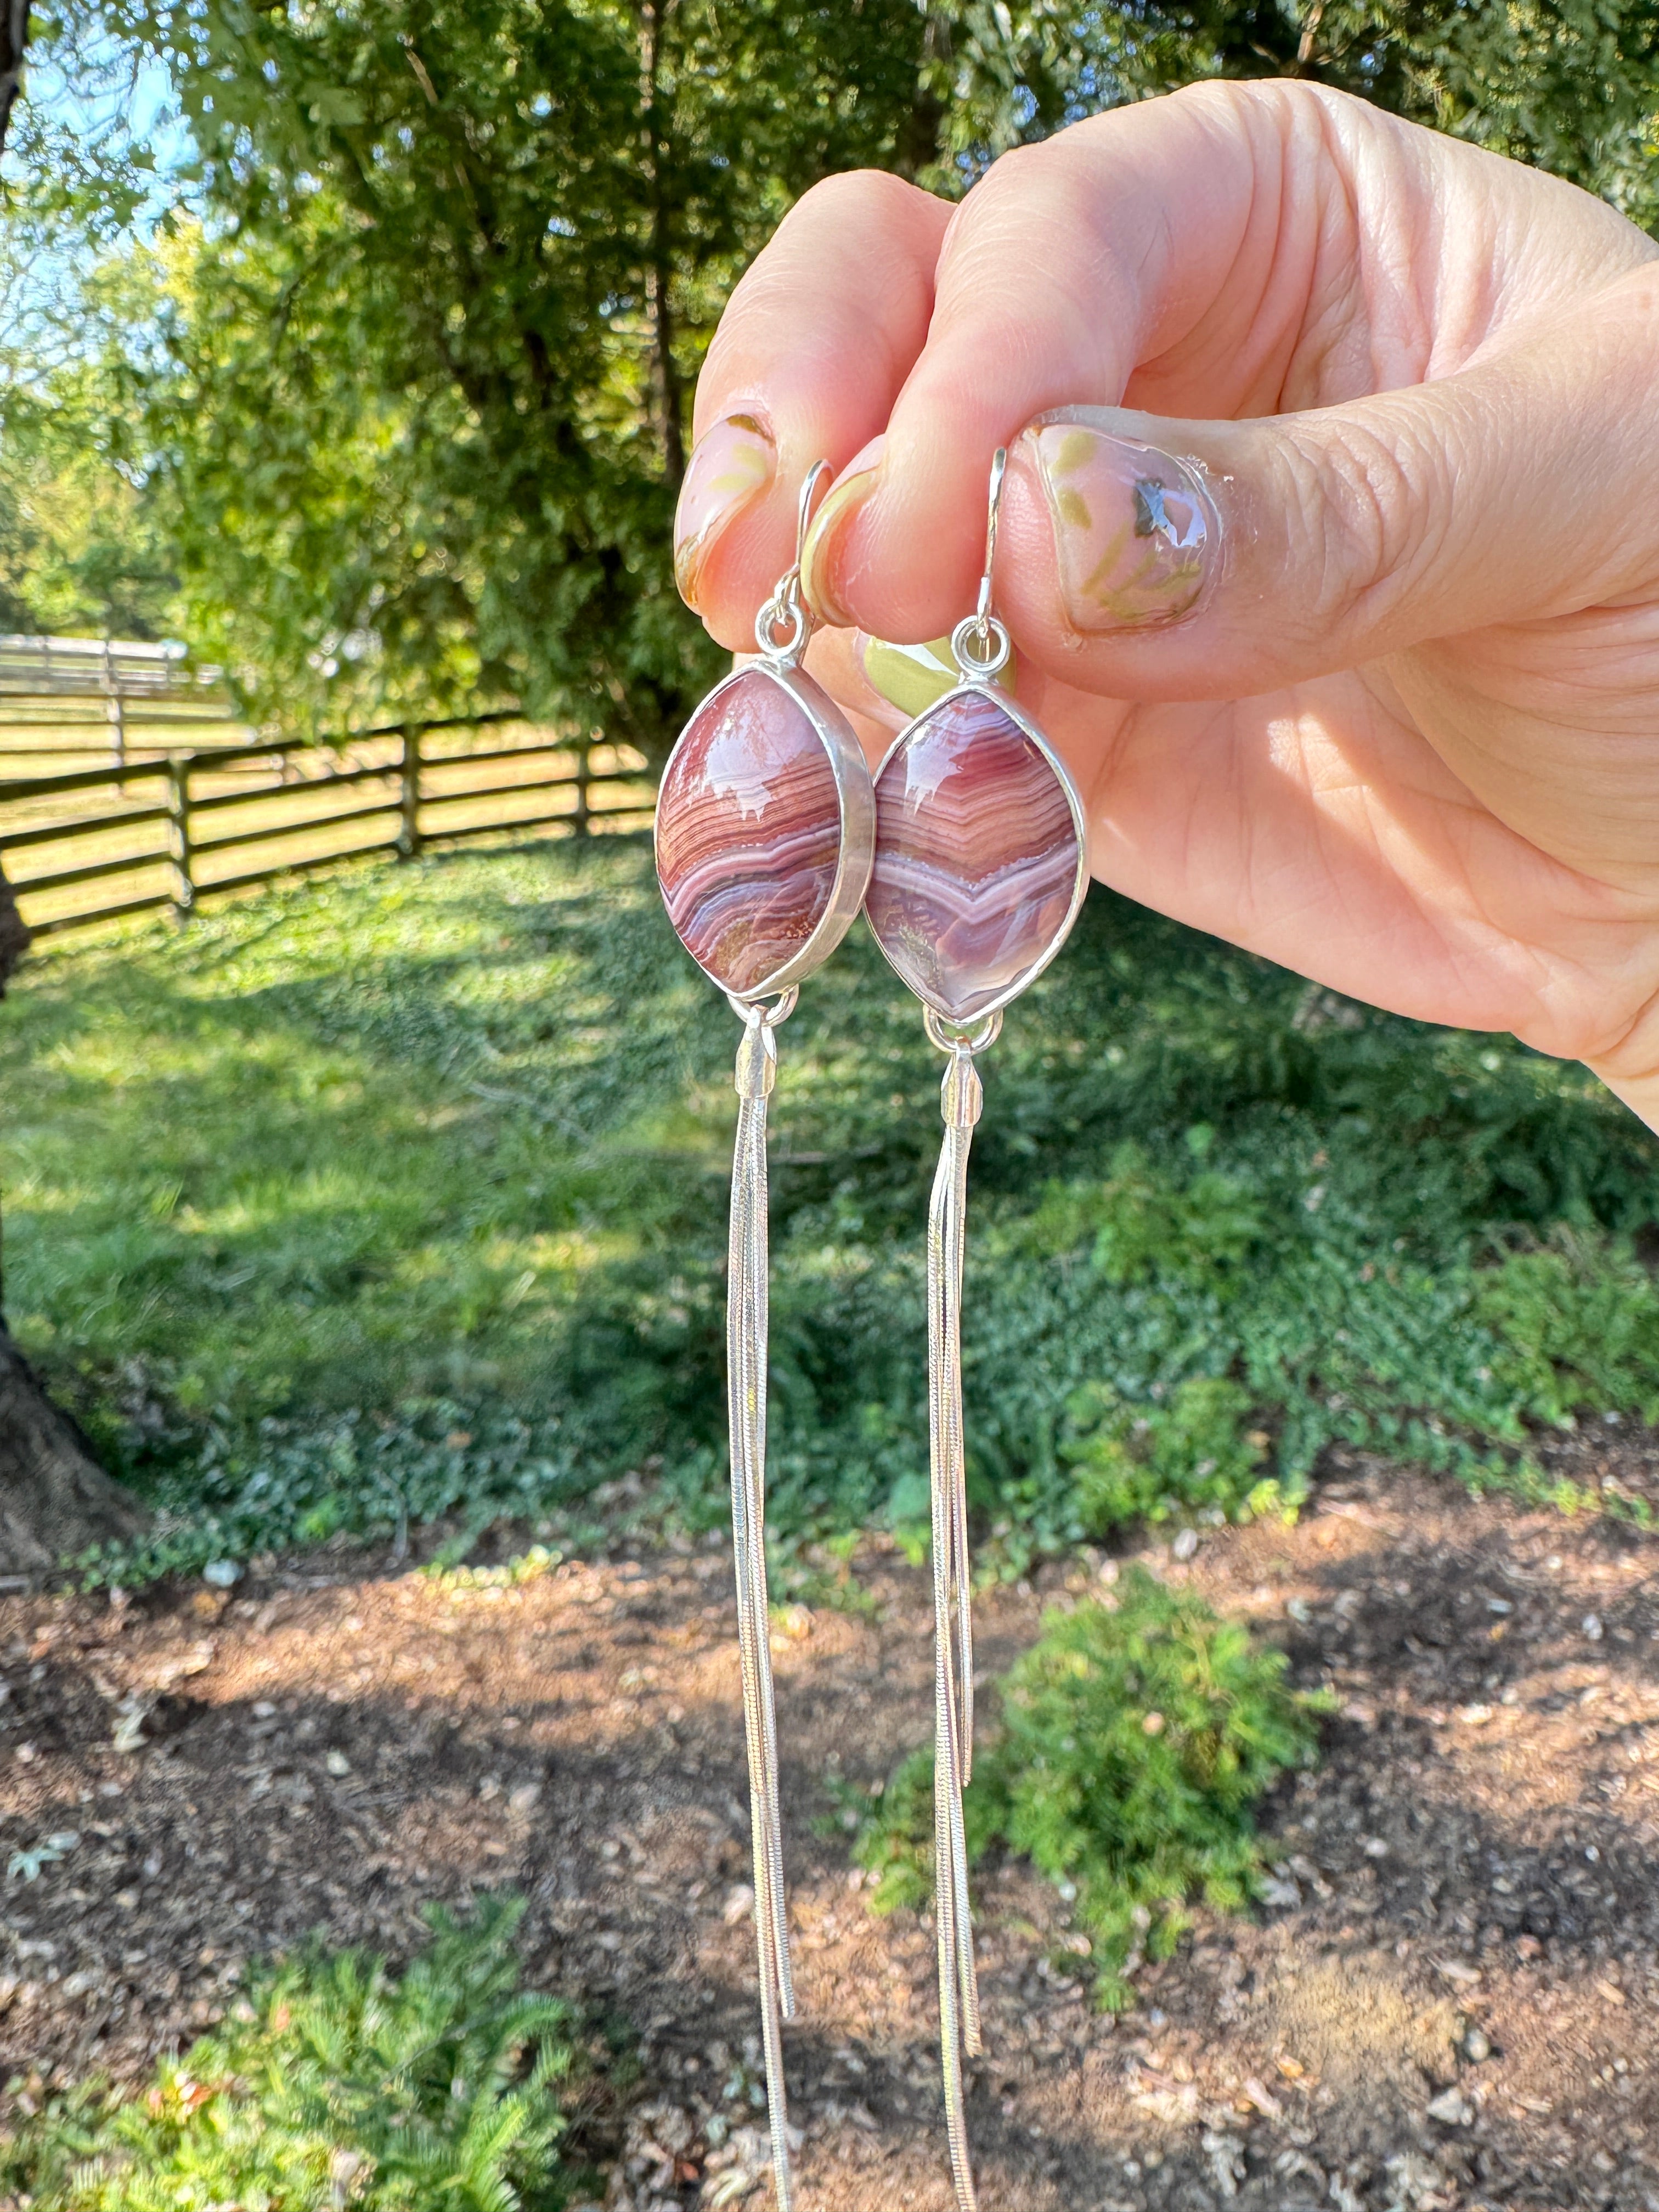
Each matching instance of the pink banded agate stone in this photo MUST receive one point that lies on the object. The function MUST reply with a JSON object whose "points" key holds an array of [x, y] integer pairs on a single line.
{"points": [[976, 857], [747, 832]]}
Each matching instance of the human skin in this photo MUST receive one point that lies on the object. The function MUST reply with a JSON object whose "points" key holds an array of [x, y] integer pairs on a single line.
{"points": [[1378, 695]]}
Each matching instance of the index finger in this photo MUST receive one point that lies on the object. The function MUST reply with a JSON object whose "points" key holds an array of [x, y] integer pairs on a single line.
{"points": [[810, 355]]}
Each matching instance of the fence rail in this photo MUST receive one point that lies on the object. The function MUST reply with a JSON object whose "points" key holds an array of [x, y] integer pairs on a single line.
{"points": [[117, 698], [92, 844]]}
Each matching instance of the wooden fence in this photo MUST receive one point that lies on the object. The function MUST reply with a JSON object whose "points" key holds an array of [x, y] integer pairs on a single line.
{"points": [[95, 843], [65, 701]]}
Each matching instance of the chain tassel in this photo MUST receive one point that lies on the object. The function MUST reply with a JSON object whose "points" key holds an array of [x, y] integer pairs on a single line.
{"points": [[746, 1356], [953, 1642]]}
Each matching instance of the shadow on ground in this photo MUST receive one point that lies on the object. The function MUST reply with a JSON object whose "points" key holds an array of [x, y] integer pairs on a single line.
{"points": [[1449, 2001]]}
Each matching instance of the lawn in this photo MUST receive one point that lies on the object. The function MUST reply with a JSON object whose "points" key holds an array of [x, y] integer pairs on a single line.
{"points": [[402, 1195]]}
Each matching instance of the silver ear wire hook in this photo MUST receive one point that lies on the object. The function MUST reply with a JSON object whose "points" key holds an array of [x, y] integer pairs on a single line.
{"points": [[979, 643], [786, 608], [815, 475], [994, 508]]}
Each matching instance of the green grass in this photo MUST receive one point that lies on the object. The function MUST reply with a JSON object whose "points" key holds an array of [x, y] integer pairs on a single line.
{"points": [[333, 2081], [1137, 1735], [402, 1195]]}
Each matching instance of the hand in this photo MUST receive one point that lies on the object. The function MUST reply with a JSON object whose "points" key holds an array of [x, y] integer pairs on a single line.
{"points": [[1350, 633]]}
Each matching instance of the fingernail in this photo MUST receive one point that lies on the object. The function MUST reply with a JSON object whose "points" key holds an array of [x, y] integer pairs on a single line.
{"points": [[821, 579], [1135, 530], [731, 465]]}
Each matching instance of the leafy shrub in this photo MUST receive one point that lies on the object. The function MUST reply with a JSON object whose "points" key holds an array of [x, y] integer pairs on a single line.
{"points": [[294, 1484], [1193, 1452], [1576, 1324], [1136, 1738], [1143, 1224], [331, 2082]]}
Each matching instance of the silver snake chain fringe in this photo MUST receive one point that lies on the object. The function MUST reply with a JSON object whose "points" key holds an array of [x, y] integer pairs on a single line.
{"points": [[746, 1356], [961, 1099]]}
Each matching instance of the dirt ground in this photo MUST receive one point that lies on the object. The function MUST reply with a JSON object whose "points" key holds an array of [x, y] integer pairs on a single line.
{"points": [[1450, 2001]]}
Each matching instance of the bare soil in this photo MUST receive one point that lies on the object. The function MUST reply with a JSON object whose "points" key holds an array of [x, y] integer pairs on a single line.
{"points": [[1450, 2001]]}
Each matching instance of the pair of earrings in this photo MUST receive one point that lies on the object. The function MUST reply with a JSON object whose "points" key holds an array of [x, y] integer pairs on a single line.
{"points": [[967, 851]]}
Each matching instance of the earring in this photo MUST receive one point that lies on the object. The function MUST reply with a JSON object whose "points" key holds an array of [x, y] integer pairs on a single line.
{"points": [[765, 835], [980, 865]]}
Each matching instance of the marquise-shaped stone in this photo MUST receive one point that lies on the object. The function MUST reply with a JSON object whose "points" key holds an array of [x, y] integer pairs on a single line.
{"points": [[747, 832], [976, 857]]}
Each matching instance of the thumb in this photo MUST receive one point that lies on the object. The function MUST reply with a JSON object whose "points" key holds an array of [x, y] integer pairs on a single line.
{"points": [[1145, 558]]}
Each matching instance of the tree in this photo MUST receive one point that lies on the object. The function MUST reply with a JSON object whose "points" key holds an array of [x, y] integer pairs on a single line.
{"points": [[14, 40], [83, 549], [426, 322], [426, 332], [54, 1497], [1572, 86]]}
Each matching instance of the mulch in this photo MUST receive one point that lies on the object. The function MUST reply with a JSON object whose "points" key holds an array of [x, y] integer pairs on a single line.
{"points": [[1450, 2001]]}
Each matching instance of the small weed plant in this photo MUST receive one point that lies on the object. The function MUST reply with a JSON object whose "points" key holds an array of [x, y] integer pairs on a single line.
{"points": [[333, 2082], [1137, 1736]]}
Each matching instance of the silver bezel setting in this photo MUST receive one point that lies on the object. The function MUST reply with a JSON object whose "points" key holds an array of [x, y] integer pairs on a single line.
{"points": [[855, 794], [988, 688]]}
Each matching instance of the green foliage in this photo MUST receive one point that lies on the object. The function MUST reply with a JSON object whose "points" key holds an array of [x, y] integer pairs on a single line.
{"points": [[893, 1835], [1574, 1326], [1141, 1222], [1137, 1735], [1193, 1452], [404, 414], [403, 1196], [438, 284], [83, 541], [1569, 85], [334, 2081]]}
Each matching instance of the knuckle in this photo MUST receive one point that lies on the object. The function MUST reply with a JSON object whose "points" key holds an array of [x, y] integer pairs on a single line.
{"points": [[1023, 186], [1229, 98], [866, 205], [862, 195], [1027, 227], [1365, 497]]}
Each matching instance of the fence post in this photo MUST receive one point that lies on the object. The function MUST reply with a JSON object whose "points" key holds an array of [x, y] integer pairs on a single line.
{"points": [[409, 832], [114, 710], [579, 820], [184, 889]]}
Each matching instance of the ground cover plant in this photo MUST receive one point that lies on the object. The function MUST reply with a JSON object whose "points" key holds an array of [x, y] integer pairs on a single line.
{"points": [[403, 1195], [333, 2081], [1137, 1734]]}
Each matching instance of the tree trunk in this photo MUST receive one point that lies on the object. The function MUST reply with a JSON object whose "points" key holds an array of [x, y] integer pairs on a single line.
{"points": [[14, 940], [666, 403], [13, 37], [55, 1499]]}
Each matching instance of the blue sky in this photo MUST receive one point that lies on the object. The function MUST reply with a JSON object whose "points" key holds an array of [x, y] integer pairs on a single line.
{"points": [[131, 107]]}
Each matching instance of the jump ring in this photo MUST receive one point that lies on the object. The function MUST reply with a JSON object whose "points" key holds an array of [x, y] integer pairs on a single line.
{"points": [[779, 1011], [969, 644], [948, 1038], [767, 621]]}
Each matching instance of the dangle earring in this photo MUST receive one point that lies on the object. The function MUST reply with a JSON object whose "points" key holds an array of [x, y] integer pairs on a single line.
{"points": [[980, 867], [765, 830]]}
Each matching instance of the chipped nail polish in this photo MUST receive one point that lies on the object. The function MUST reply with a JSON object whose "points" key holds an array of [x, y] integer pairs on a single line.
{"points": [[731, 465], [1136, 533]]}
